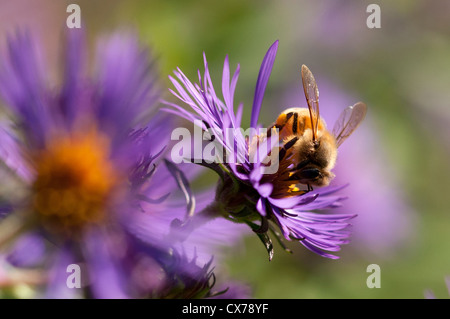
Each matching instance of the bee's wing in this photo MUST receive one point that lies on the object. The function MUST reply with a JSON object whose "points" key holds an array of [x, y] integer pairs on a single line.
{"points": [[348, 121], [312, 98]]}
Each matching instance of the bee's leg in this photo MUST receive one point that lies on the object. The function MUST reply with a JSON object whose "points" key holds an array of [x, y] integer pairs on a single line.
{"points": [[287, 146], [280, 126], [310, 188], [295, 123]]}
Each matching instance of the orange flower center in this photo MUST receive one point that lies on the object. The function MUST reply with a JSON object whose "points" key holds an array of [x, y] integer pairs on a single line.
{"points": [[74, 180]]}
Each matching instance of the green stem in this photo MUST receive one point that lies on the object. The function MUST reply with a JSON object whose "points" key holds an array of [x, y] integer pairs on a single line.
{"points": [[183, 230]]}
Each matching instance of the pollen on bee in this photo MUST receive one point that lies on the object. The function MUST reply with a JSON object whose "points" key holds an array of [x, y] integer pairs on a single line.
{"points": [[293, 188]]}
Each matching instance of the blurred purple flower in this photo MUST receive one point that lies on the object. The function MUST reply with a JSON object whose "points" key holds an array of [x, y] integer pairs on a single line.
{"points": [[246, 193], [208, 237], [430, 295], [385, 220], [86, 160]]}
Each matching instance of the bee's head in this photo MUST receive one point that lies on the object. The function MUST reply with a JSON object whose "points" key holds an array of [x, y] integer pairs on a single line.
{"points": [[314, 175], [316, 159]]}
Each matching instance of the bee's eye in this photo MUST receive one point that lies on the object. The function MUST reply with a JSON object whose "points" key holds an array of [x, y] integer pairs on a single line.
{"points": [[310, 173]]}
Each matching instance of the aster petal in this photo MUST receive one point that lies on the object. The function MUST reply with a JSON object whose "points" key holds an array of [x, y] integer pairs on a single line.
{"points": [[317, 232], [11, 154], [234, 80], [261, 206], [210, 109], [329, 189], [58, 275], [75, 56], [255, 176], [261, 83], [179, 111], [193, 91], [207, 84], [218, 232], [22, 86], [322, 202], [28, 251], [293, 201], [326, 217], [107, 282], [144, 150], [318, 251], [239, 113], [429, 294], [264, 190], [125, 84], [160, 126], [226, 83], [228, 90]]}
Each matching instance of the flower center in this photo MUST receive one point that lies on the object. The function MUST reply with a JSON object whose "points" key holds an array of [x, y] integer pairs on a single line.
{"points": [[74, 180]]}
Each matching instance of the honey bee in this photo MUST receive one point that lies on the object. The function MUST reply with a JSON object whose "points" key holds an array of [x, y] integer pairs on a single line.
{"points": [[308, 147]]}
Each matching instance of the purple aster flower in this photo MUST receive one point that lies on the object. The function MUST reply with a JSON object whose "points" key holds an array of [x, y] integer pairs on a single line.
{"points": [[170, 213], [248, 190], [85, 155]]}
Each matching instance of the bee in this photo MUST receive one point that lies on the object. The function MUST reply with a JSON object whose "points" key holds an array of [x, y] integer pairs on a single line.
{"points": [[309, 147]]}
